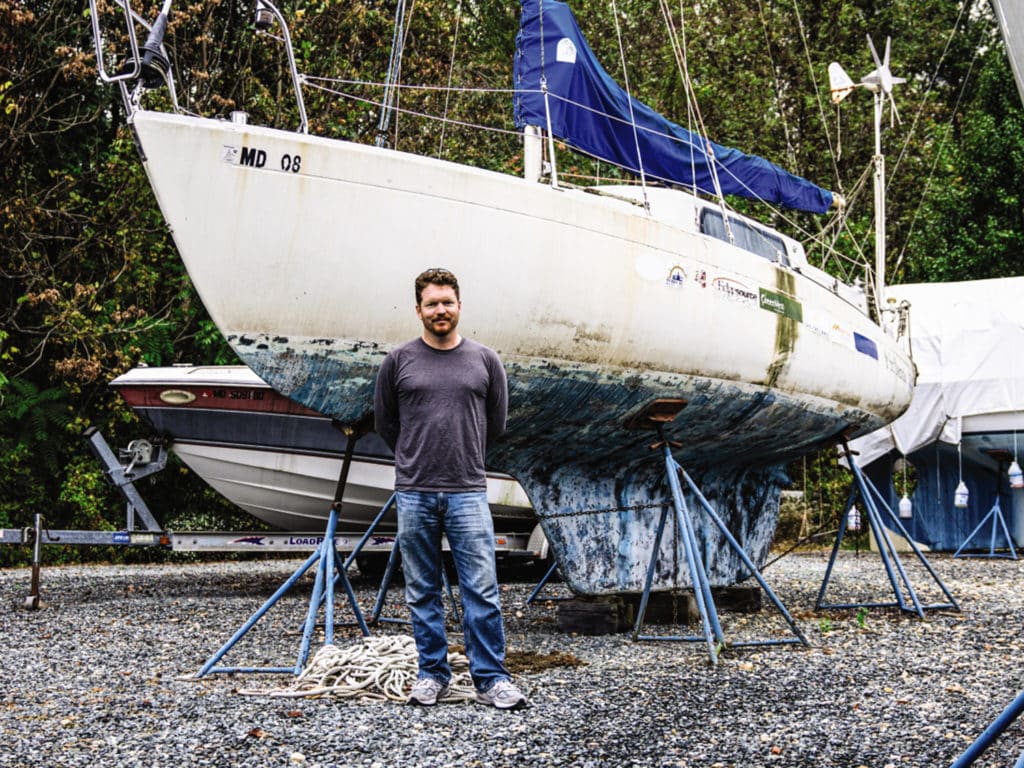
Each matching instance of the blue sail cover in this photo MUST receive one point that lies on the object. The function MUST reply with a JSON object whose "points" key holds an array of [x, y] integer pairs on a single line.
{"points": [[592, 113]]}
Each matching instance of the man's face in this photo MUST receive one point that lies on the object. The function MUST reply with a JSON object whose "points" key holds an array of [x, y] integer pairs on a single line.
{"points": [[438, 309]]}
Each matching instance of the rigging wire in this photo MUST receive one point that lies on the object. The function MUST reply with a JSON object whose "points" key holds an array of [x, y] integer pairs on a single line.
{"points": [[318, 84], [949, 127], [393, 74], [679, 52], [693, 111], [790, 149], [817, 95], [398, 91], [451, 71], [935, 162], [629, 100], [931, 87], [547, 106]]}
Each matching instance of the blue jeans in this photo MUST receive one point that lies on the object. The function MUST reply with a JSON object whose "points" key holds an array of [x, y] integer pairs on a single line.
{"points": [[466, 520]]}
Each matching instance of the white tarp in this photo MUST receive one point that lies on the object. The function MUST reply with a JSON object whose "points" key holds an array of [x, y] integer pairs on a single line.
{"points": [[967, 340]]}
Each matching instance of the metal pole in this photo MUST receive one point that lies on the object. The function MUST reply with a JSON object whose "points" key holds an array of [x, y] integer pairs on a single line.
{"points": [[1000, 724], [1006, 531], [385, 583], [835, 550], [902, 530], [324, 581], [208, 666], [358, 548], [743, 556], [884, 542], [709, 619], [32, 601], [879, 207], [645, 596], [541, 584]]}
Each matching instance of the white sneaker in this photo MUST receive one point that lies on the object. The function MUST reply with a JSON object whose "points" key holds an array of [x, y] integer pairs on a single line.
{"points": [[503, 695], [427, 692]]}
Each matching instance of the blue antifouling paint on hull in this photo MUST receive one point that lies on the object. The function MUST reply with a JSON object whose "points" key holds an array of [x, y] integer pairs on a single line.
{"points": [[935, 522], [596, 486], [603, 526]]}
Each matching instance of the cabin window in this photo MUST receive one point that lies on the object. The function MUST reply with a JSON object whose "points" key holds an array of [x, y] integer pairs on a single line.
{"points": [[745, 236]]}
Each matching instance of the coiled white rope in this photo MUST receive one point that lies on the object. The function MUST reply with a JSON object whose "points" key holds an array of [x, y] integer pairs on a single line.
{"points": [[377, 669]]}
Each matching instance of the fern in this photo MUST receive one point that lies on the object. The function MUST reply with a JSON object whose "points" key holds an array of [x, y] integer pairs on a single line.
{"points": [[34, 417]]}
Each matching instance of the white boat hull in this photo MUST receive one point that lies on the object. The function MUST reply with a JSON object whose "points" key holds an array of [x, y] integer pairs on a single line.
{"points": [[303, 250], [294, 492]]}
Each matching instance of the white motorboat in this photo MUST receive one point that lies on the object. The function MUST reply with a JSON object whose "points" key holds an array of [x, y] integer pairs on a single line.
{"points": [[274, 458]]}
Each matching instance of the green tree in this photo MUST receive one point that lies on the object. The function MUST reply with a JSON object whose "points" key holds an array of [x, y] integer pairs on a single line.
{"points": [[971, 225], [92, 283]]}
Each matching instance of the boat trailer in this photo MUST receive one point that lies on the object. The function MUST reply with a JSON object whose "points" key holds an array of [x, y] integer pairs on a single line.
{"points": [[144, 458]]}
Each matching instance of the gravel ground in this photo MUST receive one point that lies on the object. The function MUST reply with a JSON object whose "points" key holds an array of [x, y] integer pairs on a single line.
{"points": [[94, 678]]}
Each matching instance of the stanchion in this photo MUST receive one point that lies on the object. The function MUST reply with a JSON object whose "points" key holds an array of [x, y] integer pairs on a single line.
{"points": [[543, 583], [655, 416], [1000, 724], [330, 568], [385, 585], [34, 601], [996, 516]]}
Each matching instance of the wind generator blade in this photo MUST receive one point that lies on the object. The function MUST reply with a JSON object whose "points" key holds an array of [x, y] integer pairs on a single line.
{"points": [[839, 82], [882, 67], [874, 52]]}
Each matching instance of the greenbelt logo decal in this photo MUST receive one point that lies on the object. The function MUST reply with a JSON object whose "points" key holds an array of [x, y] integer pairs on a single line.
{"points": [[676, 277], [780, 305]]}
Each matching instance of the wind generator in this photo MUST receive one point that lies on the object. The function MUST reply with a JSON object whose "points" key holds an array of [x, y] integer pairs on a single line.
{"points": [[880, 82]]}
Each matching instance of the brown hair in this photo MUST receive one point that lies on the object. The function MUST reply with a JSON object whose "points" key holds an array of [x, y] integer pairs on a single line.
{"points": [[435, 276]]}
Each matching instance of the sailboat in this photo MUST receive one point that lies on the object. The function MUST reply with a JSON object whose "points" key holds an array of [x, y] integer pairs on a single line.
{"points": [[606, 303]]}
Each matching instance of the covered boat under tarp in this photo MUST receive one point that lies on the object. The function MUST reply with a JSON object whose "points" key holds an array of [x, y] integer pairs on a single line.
{"points": [[967, 342]]}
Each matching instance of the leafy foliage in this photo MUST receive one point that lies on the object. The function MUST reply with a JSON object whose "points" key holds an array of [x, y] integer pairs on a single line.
{"points": [[91, 283]]}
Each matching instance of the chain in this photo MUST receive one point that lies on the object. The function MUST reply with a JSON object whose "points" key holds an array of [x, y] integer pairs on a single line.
{"points": [[607, 510]]}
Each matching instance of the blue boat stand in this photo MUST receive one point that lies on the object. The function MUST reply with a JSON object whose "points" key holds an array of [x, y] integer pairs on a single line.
{"points": [[389, 574], [996, 516], [713, 636], [330, 569], [543, 583], [873, 502], [990, 734]]}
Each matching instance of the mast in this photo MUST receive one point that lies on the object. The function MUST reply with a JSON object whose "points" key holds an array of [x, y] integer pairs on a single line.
{"points": [[880, 82], [879, 160]]}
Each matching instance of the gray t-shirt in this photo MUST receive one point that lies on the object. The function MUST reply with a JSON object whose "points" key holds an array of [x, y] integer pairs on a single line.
{"points": [[438, 410]]}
